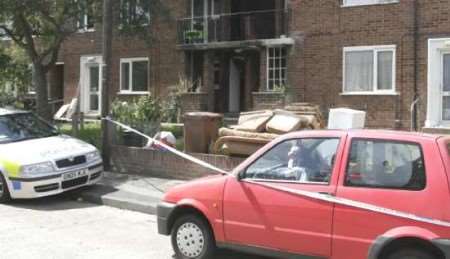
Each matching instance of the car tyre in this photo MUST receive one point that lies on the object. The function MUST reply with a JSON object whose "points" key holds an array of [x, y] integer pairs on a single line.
{"points": [[4, 190], [192, 238], [411, 254]]}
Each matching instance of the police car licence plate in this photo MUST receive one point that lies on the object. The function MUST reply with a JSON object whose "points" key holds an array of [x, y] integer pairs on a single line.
{"points": [[74, 175]]}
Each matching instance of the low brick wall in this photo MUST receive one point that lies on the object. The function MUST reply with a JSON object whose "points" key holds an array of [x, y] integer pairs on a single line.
{"points": [[268, 100], [194, 102], [153, 163]]}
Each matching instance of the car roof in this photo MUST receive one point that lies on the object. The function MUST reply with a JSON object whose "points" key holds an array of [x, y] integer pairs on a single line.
{"points": [[9, 111], [369, 133]]}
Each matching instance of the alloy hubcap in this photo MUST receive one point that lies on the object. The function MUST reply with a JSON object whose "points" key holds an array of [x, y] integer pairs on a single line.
{"points": [[190, 240]]}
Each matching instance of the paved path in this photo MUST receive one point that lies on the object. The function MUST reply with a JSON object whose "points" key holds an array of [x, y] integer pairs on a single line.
{"points": [[60, 227]]}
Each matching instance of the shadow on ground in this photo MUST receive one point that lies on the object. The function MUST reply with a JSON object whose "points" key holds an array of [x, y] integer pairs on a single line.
{"points": [[227, 254], [65, 201]]}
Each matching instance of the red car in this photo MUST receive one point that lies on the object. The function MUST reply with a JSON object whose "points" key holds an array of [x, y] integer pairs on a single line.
{"points": [[321, 194]]}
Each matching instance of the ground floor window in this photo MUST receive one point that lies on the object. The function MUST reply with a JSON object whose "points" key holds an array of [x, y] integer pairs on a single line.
{"points": [[369, 69], [134, 74], [276, 68]]}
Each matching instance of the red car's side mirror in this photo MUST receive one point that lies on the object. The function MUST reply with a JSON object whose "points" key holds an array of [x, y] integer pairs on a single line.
{"points": [[241, 176]]}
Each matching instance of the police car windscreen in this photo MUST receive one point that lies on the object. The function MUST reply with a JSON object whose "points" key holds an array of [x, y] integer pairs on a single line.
{"points": [[23, 126]]}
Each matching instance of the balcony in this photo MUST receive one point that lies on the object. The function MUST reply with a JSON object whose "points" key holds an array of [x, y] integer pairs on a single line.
{"points": [[235, 27]]}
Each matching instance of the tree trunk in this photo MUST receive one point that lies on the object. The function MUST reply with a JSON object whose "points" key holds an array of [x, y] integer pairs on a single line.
{"points": [[40, 84]]}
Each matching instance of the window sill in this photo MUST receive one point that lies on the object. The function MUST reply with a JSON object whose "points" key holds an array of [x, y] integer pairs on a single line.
{"points": [[365, 5], [85, 30], [371, 93], [133, 93]]}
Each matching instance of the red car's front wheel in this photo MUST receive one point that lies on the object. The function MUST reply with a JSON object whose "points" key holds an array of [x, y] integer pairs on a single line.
{"points": [[192, 238]]}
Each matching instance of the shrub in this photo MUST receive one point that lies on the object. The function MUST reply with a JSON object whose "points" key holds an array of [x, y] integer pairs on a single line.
{"points": [[143, 114]]}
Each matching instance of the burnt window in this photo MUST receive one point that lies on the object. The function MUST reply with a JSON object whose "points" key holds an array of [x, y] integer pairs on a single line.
{"points": [[386, 164], [134, 13], [86, 17]]}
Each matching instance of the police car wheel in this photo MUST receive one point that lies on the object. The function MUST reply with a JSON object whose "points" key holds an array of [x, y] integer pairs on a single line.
{"points": [[4, 191], [192, 238], [411, 254]]}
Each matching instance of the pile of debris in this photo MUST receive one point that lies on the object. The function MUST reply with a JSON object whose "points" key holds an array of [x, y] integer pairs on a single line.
{"points": [[255, 129]]}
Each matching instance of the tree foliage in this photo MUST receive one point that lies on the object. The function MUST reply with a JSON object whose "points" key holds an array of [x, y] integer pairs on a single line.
{"points": [[15, 72], [39, 28]]}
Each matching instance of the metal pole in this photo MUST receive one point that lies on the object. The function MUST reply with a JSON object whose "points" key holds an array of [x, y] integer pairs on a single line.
{"points": [[107, 61]]}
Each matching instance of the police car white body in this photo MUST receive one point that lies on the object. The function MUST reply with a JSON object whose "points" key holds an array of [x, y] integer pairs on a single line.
{"points": [[37, 161]]}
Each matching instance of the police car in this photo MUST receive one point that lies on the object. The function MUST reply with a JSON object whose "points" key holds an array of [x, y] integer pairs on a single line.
{"points": [[37, 161]]}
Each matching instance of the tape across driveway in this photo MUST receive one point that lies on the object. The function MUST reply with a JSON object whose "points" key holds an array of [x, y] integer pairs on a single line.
{"points": [[307, 194]]}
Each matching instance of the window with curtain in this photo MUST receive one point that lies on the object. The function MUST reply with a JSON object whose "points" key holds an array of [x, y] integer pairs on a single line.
{"points": [[369, 69]]}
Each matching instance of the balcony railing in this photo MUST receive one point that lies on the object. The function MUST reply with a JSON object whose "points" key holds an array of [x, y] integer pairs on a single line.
{"points": [[256, 25]]}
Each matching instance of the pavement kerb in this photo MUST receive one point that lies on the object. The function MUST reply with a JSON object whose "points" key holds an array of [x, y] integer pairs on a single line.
{"points": [[128, 192]]}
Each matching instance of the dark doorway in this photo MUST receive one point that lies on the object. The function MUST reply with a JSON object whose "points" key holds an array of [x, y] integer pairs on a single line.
{"points": [[253, 19], [237, 74], [194, 69]]}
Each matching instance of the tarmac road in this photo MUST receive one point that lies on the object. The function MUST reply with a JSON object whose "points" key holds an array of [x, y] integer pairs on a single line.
{"points": [[61, 227]]}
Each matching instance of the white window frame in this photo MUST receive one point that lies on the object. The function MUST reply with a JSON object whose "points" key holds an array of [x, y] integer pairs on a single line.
{"points": [[375, 50], [369, 2], [268, 70], [443, 93], [130, 82]]}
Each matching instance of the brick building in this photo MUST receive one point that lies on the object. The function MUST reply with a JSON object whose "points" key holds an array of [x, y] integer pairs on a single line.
{"points": [[139, 68], [375, 55]]}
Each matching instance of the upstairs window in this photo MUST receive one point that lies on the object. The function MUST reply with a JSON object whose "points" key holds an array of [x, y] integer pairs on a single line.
{"points": [[276, 68], [86, 19], [134, 75], [367, 2], [135, 12], [369, 70]]}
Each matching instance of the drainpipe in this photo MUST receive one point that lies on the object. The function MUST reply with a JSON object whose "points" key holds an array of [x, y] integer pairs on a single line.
{"points": [[414, 112]]}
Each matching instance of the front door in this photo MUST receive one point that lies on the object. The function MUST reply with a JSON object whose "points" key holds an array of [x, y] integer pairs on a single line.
{"points": [[260, 216], [93, 88], [445, 94]]}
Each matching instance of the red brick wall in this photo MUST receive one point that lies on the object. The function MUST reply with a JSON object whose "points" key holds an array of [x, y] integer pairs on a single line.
{"points": [[166, 62], [167, 165], [268, 100], [193, 102], [322, 28]]}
